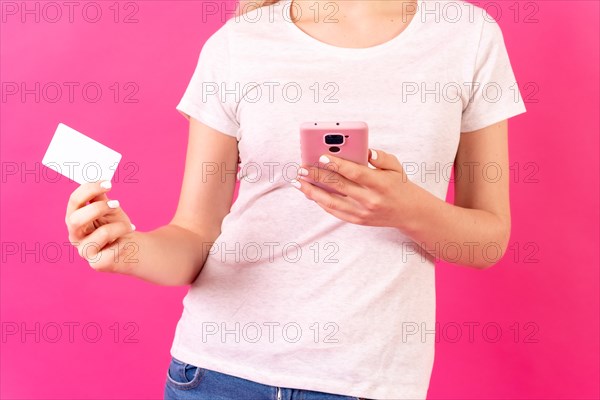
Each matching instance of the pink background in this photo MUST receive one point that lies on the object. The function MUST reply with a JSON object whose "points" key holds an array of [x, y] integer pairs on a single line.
{"points": [[543, 295]]}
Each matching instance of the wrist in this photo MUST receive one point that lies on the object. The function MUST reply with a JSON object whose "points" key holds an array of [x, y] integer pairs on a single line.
{"points": [[127, 257], [410, 211]]}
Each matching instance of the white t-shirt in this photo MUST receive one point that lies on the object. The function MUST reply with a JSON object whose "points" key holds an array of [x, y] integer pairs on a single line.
{"points": [[290, 295]]}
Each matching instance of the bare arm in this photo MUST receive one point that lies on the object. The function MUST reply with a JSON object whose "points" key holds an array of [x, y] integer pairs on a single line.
{"points": [[479, 221], [175, 253], [472, 232]]}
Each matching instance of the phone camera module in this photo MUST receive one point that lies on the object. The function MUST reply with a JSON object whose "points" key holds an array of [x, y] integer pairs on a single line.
{"points": [[334, 139]]}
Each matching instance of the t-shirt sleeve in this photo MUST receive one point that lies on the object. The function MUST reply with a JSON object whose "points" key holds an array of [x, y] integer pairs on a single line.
{"points": [[494, 94], [205, 97]]}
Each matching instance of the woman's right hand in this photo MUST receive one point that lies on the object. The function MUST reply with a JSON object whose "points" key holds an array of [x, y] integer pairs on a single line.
{"points": [[98, 227]]}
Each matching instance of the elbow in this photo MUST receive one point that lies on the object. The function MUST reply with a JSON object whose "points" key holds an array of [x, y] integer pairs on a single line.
{"points": [[494, 251]]}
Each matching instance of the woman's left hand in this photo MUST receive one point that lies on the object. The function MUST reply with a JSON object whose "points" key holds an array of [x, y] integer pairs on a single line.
{"points": [[375, 197]]}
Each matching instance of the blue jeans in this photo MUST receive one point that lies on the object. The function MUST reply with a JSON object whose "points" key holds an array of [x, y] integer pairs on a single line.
{"points": [[188, 382]]}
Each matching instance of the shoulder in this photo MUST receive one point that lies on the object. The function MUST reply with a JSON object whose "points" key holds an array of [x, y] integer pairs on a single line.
{"points": [[253, 34], [255, 21], [461, 26], [459, 16]]}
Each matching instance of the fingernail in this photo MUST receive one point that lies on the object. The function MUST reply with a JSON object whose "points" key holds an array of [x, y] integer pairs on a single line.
{"points": [[133, 227], [373, 155], [113, 203], [324, 159], [105, 185], [295, 183], [302, 171]]}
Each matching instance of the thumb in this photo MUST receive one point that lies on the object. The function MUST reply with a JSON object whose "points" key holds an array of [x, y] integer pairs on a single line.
{"points": [[382, 160]]}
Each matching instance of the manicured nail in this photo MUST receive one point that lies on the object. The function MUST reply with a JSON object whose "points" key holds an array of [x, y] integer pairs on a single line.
{"points": [[302, 171], [113, 203], [324, 159], [105, 185], [133, 227], [373, 155], [295, 183]]}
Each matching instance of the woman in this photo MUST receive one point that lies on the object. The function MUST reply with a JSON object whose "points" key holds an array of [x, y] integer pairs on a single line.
{"points": [[297, 292]]}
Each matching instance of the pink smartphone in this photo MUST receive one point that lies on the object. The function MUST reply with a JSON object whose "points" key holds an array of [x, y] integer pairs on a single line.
{"points": [[348, 140]]}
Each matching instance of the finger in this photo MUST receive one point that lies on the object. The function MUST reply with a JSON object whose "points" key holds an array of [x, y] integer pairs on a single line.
{"points": [[382, 160], [93, 244], [355, 172], [335, 181], [85, 215], [84, 193], [331, 201], [116, 257], [100, 197], [338, 210]]}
